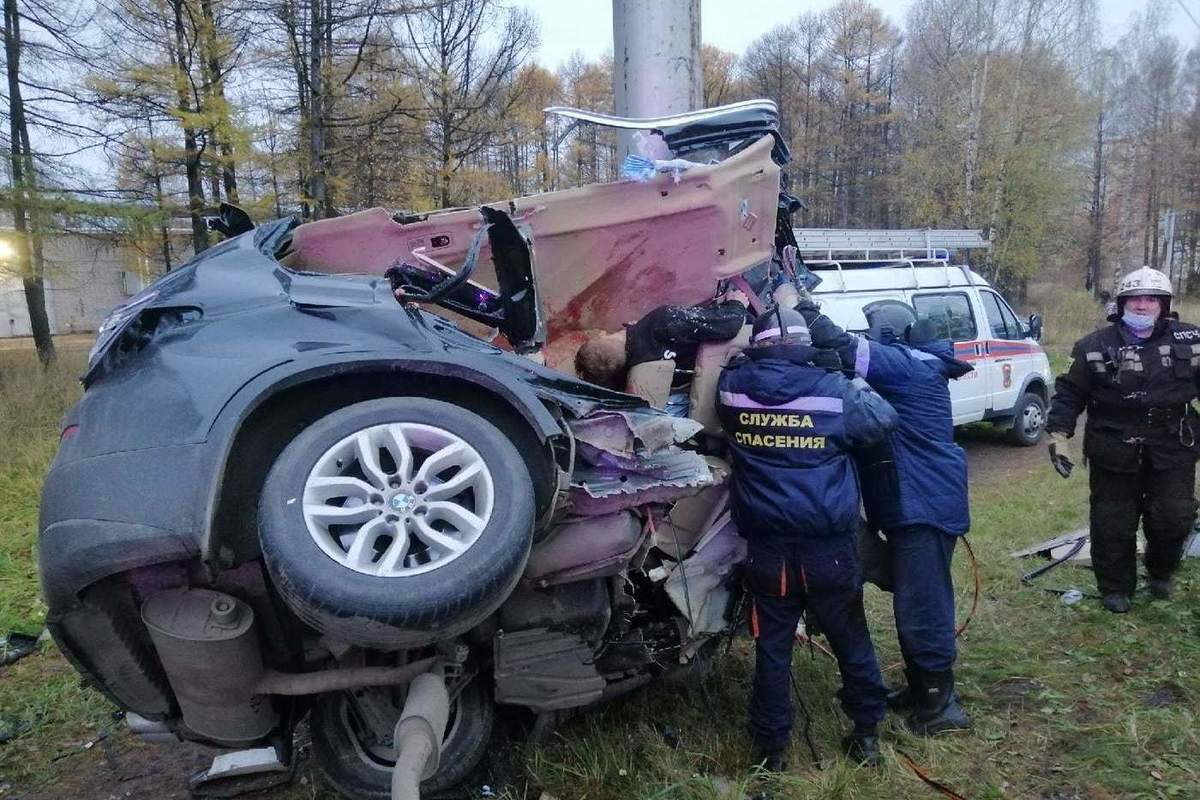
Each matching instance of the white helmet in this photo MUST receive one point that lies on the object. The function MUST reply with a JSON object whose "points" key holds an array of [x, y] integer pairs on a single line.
{"points": [[1145, 281]]}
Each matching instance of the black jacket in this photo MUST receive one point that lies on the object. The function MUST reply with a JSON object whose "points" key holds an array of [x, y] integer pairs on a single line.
{"points": [[1137, 395], [676, 332]]}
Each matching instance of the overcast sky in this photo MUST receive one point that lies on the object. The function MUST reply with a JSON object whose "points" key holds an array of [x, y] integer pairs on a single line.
{"points": [[586, 25]]}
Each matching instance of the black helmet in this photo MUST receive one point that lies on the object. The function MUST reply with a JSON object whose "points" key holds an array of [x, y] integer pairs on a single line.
{"points": [[889, 317], [780, 326]]}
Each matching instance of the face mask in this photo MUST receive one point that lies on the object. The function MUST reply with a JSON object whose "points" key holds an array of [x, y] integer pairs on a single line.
{"points": [[1139, 322]]}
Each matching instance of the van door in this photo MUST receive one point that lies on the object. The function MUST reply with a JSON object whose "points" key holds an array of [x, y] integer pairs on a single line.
{"points": [[1009, 357], [953, 316]]}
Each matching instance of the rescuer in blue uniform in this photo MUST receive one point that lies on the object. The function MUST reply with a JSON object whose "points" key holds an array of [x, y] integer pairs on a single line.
{"points": [[791, 427], [915, 491]]}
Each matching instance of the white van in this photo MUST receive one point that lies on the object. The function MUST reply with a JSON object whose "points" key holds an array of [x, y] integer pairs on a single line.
{"points": [[1010, 386]]}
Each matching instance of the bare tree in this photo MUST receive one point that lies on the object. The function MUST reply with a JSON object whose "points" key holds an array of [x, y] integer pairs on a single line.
{"points": [[462, 81]]}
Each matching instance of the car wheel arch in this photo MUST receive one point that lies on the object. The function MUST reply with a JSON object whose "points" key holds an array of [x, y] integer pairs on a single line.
{"points": [[262, 426]]}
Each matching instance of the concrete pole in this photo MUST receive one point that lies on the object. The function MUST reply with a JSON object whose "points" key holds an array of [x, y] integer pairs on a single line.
{"points": [[656, 59]]}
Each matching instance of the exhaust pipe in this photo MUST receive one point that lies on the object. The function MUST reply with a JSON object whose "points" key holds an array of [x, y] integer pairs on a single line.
{"points": [[207, 642], [418, 735]]}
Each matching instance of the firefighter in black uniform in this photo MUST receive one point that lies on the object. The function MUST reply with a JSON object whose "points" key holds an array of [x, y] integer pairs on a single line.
{"points": [[1136, 379]]}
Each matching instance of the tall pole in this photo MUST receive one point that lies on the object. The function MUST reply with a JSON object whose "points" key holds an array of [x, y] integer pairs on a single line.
{"points": [[656, 59]]}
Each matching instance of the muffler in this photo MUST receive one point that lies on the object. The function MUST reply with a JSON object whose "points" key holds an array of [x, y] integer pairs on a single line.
{"points": [[418, 735], [208, 648]]}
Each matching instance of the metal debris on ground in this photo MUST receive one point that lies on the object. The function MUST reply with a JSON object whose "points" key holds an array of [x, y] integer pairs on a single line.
{"points": [[16, 646], [1058, 547]]}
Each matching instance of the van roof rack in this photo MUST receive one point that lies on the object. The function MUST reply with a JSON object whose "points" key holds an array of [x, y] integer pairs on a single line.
{"points": [[885, 245]]}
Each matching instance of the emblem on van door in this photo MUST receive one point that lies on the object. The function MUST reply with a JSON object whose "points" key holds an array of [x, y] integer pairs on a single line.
{"points": [[1006, 370]]}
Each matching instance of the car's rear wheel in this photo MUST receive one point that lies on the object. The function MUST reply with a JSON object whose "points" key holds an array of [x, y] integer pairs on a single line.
{"points": [[1029, 418], [398, 522], [351, 735]]}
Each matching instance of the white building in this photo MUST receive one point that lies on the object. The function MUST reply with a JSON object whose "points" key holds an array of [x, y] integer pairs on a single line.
{"points": [[87, 274]]}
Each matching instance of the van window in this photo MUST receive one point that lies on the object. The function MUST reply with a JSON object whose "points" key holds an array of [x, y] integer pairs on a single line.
{"points": [[1003, 322], [1015, 328], [950, 313]]}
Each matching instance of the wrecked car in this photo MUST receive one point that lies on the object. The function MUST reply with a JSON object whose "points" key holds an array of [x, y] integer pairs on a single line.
{"points": [[286, 495]]}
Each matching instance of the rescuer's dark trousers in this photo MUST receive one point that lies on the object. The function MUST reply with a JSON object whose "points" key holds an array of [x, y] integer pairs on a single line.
{"points": [[823, 579], [1163, 499], [923, 595]]}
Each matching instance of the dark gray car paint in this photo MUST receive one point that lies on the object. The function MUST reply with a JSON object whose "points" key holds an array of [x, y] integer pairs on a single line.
{"points": [[139, 481]]}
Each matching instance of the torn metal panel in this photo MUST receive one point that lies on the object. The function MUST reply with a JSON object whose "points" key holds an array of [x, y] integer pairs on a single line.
{"points": [[602, 491], [662, 465], [697, 585], [679, 530], [633, 433], [591, 547]]}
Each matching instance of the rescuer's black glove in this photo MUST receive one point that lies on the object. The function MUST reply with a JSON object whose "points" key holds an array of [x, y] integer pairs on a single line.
{"points": [[1061, 456]]}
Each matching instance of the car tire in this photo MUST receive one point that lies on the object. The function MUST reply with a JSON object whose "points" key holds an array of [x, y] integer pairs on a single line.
{"points": [[455, 558], [362, 773], [1028, 421]]}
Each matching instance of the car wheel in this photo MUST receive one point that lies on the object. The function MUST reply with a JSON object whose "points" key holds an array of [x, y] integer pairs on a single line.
{"points": [[1029, 418], [351, 737], [395, 523]]}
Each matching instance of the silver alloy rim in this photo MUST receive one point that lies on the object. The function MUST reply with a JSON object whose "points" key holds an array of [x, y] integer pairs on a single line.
{"points": [[1032, 419], [398, 499]]}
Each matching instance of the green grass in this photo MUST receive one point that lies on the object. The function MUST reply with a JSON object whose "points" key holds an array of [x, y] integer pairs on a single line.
{"points": [[41, 696], [1064, 697]]}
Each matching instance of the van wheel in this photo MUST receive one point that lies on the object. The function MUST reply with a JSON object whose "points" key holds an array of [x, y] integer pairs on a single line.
{"points": [[1029, 418]]}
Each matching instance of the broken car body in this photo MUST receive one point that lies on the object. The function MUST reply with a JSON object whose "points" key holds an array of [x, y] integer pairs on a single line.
{"points": [[284, 493]]}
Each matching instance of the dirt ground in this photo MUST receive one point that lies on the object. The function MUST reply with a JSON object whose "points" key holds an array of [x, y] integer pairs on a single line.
{"points": [[991, 457], [119, 766]]}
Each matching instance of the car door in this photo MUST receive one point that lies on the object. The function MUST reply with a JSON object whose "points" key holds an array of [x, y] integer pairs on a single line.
{"points": [[954, 318]]}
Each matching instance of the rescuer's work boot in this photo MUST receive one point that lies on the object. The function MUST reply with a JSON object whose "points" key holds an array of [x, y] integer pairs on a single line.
{"points": [[1160, 588], [1117, 603], [902, 697], [862, 748], [770, 760], [937, 707]]}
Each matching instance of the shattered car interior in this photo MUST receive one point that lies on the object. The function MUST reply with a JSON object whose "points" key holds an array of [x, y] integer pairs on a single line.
{"points": [[381, 500]]}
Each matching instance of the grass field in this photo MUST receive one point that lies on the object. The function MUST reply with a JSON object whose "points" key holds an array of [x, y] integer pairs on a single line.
{"points": [[1070, 703]]}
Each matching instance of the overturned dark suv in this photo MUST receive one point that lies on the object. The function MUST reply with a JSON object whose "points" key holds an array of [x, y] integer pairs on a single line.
{"points": [[291, 490]]}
